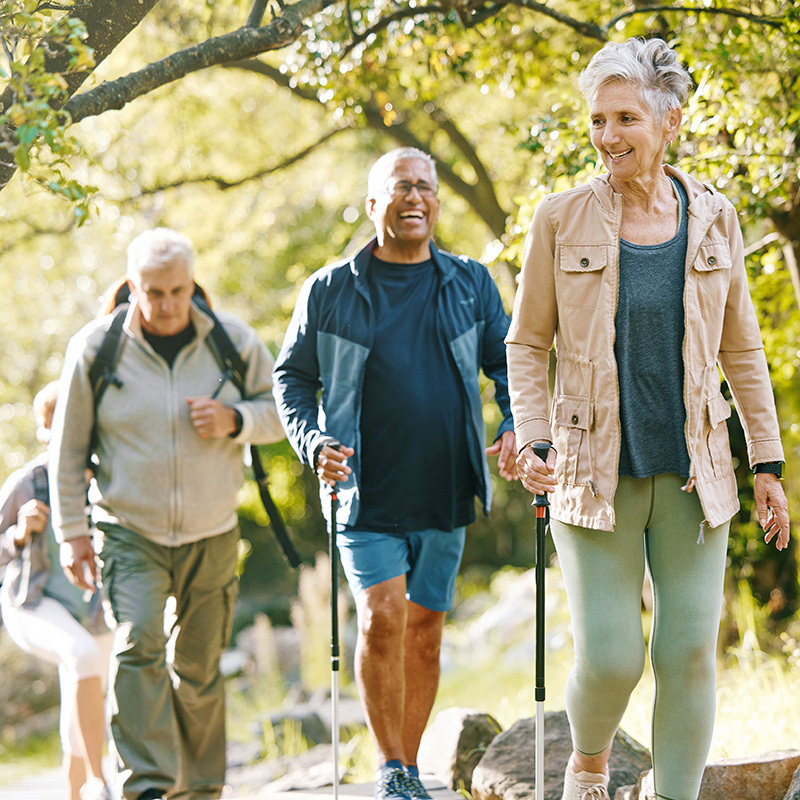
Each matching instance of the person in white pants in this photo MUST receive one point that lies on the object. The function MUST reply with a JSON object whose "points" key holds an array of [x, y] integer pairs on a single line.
{"points": [[50, 619]]}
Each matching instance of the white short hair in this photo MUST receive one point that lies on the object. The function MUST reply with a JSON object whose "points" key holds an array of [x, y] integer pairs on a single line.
{"points": [[650, 64], [376, 182], [156, 249]]}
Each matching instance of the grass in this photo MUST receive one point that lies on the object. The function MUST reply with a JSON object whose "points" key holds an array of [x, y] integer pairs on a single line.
{"points": [[29, 757]]}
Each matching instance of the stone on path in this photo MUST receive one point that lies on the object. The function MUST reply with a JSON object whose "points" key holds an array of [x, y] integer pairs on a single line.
{"points": [[507, 770], [765, 777], [454, 743]]}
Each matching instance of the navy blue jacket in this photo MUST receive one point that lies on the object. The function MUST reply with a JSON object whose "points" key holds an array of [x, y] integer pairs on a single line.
{"points": [[329, 340]]}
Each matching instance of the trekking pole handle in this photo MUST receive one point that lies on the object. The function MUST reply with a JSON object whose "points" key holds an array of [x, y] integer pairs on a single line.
{"points": [[334, 445], [541, 449]]}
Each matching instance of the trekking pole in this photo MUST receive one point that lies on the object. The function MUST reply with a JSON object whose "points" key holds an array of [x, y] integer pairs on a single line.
{"points": [[541, 504], [333, 554]]}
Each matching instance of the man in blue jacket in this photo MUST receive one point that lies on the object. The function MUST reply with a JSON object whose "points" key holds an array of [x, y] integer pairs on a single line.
{"points": [[394, 339]]}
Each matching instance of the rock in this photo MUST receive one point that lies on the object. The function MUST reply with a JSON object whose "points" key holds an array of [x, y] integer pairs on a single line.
{"points": [[765, 777], [794, 787], [507, 769], [454, 743]]}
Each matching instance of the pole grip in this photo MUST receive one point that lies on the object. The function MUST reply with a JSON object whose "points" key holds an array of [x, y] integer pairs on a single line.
{"points": [[540, 501]]}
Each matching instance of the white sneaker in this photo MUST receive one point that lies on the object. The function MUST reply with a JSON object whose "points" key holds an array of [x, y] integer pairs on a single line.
{"points": [[585, 785], [95, 789]]}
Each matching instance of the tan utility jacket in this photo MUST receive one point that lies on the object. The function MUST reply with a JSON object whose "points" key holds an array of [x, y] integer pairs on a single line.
{"points": [[568, 292]]}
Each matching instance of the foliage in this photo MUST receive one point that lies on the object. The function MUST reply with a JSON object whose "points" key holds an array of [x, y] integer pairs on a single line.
{"points": [[33, 127]]}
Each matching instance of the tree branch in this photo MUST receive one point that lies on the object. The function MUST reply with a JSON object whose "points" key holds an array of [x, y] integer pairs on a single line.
{"points": [[273, 73], [385, 22], [223, 183], [588, 29], [256, 14], [107, 23], [730, 12], [480, 196], [241, 44]]}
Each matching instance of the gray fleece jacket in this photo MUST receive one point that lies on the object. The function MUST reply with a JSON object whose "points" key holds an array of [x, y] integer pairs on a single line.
{"points": [[156, 475]]}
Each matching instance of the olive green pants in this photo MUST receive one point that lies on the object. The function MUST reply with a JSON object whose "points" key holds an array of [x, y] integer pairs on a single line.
{"points": [[657, 528], [167, 696]]}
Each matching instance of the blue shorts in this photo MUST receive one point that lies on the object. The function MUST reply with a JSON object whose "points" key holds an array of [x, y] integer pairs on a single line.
{"points": [[429, 559]]}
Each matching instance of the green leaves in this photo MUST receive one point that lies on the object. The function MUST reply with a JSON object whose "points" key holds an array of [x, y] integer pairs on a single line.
{"points": [[33, 129]]}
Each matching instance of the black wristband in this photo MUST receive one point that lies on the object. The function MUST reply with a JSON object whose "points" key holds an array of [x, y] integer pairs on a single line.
{"points": [[771, 467], [238, 422]]}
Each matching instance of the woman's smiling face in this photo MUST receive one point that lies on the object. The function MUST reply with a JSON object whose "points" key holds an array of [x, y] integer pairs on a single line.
{"points": [[627, 134]]}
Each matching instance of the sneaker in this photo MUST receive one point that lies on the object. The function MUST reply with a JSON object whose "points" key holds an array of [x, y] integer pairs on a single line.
{"points": [[585, 785], [415, 788], [94, 789], [152, 794], [391, 785]]}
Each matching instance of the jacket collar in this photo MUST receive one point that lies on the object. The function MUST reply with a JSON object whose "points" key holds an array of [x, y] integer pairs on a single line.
{"points": [[133, 321], [359, 264], [703, 199]]}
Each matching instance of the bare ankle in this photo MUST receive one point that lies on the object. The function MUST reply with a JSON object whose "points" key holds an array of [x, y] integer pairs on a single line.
{"points": [[595, 764]]}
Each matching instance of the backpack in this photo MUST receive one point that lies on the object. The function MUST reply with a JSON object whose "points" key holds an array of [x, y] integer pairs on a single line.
{"points": [[102, 374]]}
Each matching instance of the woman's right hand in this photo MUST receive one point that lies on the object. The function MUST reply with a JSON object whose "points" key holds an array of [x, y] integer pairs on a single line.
{"points": [[534, 474], [31, 518]]}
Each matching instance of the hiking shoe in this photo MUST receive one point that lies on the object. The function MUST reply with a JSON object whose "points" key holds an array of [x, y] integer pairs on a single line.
{"points": [[391, 785], [152, 794], [94, 789], [415, 788], [585, 785]]}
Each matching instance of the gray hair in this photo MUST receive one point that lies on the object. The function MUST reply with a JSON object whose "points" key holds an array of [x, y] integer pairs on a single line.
{"points": [[44, 404], [156, 249], [650, 64], [376, 182]]}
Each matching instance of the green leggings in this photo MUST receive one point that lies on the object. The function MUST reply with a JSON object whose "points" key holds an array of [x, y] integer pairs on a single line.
{"points": [[657, 526]]}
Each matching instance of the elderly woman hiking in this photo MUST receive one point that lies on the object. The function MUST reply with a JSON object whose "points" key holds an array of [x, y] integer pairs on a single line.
{"points": [[639, 277]]}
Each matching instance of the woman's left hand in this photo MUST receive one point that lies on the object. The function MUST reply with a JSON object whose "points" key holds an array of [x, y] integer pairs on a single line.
{"points": [[772, 508]]}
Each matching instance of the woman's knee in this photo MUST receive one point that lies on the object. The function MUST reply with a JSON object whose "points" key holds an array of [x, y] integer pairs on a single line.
{"points": [[686, 664], [615, 671]]}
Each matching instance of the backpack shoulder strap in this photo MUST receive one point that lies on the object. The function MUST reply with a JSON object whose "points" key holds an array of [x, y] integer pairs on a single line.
{"points": [[223, 348], [102, 371], [41, 484]]}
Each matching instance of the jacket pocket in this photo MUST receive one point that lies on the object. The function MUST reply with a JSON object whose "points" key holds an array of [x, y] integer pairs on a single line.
{"points": [[712, 273], [717, 441], [580, 273], [573, 418]]}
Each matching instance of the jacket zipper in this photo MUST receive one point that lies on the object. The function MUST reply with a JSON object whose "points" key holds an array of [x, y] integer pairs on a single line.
{"points": [[692, 483]]}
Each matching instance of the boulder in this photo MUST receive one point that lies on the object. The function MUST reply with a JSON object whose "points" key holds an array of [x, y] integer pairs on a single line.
{"points": [[454, 743], [507, 769], [794, 787], [765, 777]]}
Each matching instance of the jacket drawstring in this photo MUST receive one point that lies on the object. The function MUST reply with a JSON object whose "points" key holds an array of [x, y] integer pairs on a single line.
{"points": [[701, 539]]}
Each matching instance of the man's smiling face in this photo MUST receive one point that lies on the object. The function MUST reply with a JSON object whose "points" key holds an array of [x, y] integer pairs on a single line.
{"points": [[407, 209]]}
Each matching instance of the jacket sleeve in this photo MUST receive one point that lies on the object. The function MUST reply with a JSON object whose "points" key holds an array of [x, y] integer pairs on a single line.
{"points": [[493, 360], [530, 336], [742, 358], [12, 498], [297, 379], [260, 421], [73, 421]]}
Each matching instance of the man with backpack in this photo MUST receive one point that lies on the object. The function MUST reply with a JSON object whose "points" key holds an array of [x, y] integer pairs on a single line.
{"points": [[165, 425]]}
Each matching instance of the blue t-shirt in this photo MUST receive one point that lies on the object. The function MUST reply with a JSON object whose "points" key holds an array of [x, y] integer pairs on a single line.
{"points": [[648, 349], [415, 467]]}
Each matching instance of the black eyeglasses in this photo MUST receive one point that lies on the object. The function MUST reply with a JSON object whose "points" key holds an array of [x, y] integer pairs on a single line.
{"points": [[403, 189]]}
